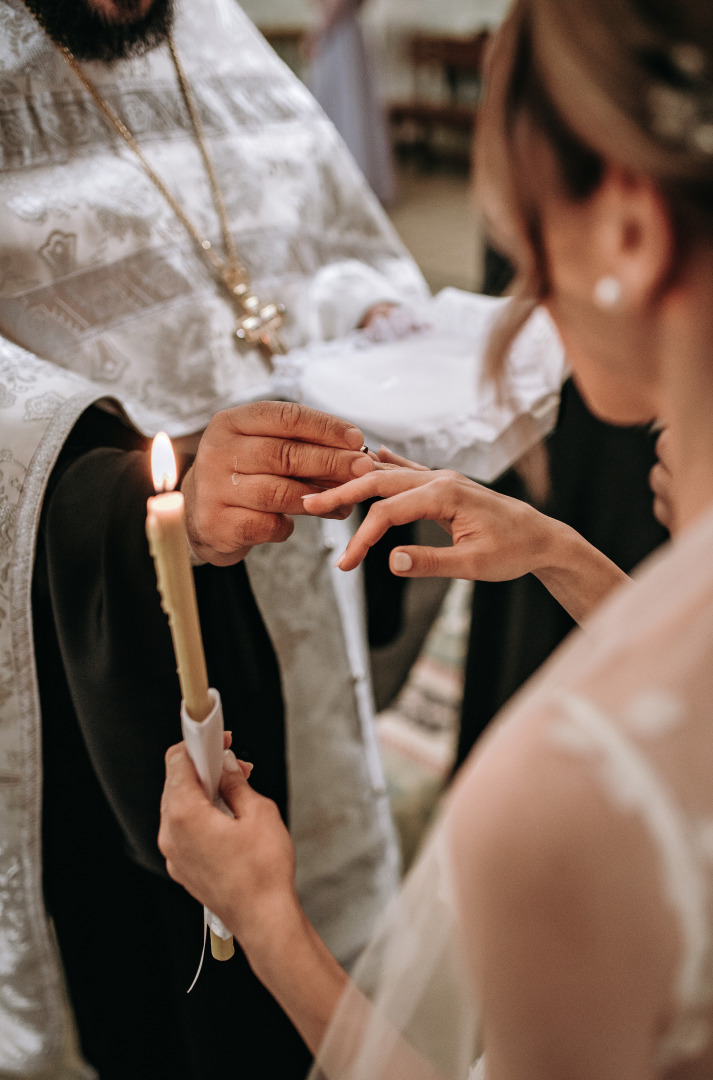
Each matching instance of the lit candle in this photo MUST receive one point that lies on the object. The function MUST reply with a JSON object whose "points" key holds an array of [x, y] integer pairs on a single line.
{"points": [[168, 542], [166, 531]]}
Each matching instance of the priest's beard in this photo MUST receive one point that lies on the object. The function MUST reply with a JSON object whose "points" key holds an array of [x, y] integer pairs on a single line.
{"points": [[89, 35]]}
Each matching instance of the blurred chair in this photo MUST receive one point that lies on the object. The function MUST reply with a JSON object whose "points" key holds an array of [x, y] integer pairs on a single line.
{"points": [[447, 79]]}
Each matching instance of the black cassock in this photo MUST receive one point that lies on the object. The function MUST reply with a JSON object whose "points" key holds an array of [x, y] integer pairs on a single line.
{"points": [[130, 938]]}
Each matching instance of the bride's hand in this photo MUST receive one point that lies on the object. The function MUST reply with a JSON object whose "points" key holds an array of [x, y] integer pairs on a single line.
{"points": [[241, 868], [661, 483], [495, 538]]}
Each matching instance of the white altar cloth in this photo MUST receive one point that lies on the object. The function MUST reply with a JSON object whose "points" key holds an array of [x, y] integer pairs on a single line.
{"points": [[424, 394]]}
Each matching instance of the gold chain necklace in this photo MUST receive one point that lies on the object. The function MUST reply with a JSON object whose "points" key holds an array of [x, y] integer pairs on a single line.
{"points": [[257, 323]]}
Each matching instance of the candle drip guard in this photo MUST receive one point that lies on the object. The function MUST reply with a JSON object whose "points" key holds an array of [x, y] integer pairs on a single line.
{"points": [[204, 742]]}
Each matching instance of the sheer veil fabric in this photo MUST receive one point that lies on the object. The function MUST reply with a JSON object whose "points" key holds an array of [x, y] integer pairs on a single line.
{"points": [[626, 703], [409, 1014]]}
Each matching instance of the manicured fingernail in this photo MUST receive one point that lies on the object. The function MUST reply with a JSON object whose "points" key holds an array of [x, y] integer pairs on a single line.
{"points": [[230, 762], [340, 560], [400, 561], [247, 767], [236, 477], [310, 496]]}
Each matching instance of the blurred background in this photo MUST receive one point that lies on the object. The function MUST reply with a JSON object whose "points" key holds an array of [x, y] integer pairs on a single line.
{"points": [[422, 62]]}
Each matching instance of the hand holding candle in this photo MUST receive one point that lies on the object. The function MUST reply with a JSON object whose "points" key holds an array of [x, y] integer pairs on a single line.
{"points": [[168, 542]]}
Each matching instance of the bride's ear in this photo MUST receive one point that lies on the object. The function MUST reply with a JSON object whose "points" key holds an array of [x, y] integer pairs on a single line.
{"points": [[634, 237]]}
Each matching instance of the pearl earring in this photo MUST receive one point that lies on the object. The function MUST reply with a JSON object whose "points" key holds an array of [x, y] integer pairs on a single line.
{"points": [[607, 292]]}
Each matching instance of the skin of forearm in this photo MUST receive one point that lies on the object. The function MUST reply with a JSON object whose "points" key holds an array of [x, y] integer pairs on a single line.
{"points": [[577, 574], [294, 964]]}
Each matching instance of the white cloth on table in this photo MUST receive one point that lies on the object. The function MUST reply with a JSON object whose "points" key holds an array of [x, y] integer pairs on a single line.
{"points": [[421, 389]]}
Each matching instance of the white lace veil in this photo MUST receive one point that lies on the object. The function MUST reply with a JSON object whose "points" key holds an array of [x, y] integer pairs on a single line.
{"points": [[409, 1013]]}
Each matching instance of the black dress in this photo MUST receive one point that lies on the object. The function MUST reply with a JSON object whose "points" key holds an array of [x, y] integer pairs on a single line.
{"points": [[599, 486], [130, 938]]}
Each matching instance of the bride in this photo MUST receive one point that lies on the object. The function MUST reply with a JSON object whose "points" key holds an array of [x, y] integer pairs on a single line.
{"points": [[559, 923]]}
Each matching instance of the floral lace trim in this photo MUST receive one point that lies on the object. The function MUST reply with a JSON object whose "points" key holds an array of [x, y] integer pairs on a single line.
{"points": [[633, 784]]}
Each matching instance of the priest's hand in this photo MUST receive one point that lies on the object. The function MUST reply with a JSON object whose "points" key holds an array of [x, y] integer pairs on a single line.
{"points": [[495, 538], [254, 463]]}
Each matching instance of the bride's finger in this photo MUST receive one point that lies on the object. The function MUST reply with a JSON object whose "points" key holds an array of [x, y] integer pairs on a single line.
{"points": [[400, 509], [386, 455], [381, 483], [420, 562]]}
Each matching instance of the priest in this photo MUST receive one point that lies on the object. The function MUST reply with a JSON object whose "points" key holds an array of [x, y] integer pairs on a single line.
{"points": [[175, 209]]}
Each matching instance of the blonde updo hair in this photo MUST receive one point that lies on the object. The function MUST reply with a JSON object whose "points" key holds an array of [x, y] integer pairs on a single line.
{"points": [[627, 82]]}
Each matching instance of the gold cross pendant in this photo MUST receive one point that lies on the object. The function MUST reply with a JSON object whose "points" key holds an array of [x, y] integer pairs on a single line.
{"points": [[258, 323]]}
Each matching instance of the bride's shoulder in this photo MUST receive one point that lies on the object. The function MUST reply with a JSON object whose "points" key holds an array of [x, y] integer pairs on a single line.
{"points": [[579, 828], [559, 896], [531, 795]]}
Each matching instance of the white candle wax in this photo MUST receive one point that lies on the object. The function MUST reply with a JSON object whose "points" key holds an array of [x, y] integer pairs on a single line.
{"points": [[166, 531]]}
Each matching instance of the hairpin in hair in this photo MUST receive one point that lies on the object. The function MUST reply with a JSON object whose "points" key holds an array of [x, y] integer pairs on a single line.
{"points": [[681, 97]]}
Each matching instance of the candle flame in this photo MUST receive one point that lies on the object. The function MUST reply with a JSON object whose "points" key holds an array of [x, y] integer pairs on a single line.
{"points": [[163, 463]]}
